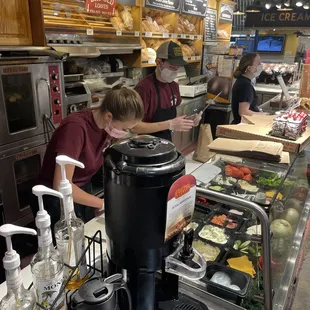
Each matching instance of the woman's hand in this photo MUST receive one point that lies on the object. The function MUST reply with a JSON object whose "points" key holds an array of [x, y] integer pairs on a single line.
{"points": [[100, 211]]}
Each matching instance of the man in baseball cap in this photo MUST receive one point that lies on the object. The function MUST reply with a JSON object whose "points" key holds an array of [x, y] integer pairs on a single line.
{"points": [[161, 96]]}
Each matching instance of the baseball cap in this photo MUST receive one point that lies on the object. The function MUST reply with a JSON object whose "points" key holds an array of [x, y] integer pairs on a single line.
{"points": [[171, 52]]}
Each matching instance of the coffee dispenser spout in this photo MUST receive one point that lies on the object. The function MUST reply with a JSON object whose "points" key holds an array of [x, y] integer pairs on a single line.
{"points": [[186, 261]]}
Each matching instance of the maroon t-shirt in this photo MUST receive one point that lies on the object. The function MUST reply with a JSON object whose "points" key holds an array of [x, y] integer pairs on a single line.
{"points": [[146, 89], [78, 137]]}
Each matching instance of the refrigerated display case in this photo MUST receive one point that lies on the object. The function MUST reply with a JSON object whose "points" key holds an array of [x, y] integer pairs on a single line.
{"points": [[271, 237]]}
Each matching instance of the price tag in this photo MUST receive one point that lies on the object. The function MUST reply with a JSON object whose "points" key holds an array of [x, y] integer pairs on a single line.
{"points": [[119, 32], [150, 61], [191, 37], [198, 57], [183, 36], [90, 32], [199, 37], [137, 33], [166, 35], [174, 36], [186, 58], [148, 34]]}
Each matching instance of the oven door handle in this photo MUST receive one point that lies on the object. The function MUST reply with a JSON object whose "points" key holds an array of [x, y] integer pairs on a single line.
{"points": [[49, 97]]}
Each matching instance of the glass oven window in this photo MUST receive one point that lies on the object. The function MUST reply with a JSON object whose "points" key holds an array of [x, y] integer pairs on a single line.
{"points": [[19, 102], [26, 172]]}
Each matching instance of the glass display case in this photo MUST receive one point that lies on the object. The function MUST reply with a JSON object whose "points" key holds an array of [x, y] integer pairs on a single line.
{"points": [[252, 241]]}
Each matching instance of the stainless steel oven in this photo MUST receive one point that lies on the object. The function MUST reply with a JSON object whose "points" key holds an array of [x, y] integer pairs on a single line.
{"points": [[20, 166], [31, 90]]}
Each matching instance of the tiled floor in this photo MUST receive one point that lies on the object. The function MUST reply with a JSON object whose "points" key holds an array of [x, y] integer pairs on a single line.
{"points": [[302, 297]]}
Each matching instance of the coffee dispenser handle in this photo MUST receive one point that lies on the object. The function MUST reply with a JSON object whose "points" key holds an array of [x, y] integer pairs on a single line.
{"points": [[118, 283], [175, 265]]}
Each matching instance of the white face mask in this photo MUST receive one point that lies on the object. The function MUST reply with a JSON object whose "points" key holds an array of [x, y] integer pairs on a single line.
{"points": [[168, 75], [259, 70]]}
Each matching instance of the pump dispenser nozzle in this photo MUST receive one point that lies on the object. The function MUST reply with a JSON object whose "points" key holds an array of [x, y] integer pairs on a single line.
{"points": [[16, 294], [43, 220], [62, 161], [11, 259]]}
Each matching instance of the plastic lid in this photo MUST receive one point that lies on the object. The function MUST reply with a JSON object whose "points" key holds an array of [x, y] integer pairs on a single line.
{"points": [[11, 259], [43, 220], [143, 151], [94, 291]]}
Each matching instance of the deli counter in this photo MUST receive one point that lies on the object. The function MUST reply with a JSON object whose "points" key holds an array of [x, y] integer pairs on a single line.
{"points": [[263, 224]]}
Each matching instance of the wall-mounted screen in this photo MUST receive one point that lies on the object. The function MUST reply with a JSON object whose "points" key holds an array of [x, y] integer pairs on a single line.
{"points": [[270, 44]]}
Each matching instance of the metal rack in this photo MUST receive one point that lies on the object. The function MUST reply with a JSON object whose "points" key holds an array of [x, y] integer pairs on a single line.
{"points": [[262, 216], [93, 269]]}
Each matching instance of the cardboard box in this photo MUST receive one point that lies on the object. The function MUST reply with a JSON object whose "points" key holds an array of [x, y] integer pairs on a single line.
{"points": [[193, 90], [256, 132]]}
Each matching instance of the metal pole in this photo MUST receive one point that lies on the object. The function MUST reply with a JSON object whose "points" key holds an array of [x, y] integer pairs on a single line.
{"points": [[261, 214]]}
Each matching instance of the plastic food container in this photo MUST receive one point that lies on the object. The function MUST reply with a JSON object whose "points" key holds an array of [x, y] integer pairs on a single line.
{"points": [[230, 219], [206, 243], [242, 280]]}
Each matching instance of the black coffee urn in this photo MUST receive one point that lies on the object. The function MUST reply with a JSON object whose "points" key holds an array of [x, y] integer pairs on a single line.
{"points": [[138, 174]]}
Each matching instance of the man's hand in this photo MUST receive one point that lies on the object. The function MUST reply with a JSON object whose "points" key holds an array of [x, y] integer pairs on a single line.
{"points": [[181, 124]]}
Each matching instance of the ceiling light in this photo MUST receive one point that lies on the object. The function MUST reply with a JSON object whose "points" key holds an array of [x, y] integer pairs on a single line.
{"points": [[287, 2], [279, 6], [268, 6], [307, 6], [299, 3]]}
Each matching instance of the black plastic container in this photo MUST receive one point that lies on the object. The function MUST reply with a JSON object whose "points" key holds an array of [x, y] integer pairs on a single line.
{"points": [[241, 279], [202, 213], [229, 217], [234, 254]]}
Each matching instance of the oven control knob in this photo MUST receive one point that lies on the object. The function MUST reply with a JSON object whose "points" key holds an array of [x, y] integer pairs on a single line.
{"points": [[56, 101], [55, 76], [56, 88]]}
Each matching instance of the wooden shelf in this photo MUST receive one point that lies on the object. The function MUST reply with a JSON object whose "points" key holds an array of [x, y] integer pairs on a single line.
{"points": [[157, 35]]}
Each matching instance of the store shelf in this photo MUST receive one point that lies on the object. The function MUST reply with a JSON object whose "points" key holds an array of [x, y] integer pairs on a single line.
{"points": [[157, 35]]}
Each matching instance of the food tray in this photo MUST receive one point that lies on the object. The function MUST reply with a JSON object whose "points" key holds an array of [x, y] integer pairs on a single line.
{"points": [[247, 224], [220, 247], [238, 278], [236, 219], [229, 233], [253, 244], [233, 254], [246, 214], [247, 179], [202, 213]]}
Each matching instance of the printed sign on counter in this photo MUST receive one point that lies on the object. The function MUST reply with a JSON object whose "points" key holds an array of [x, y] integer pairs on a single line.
{"points": [[211, 25], [195, 7], [104, 7], [167, 5], [226, 12], [180, 205]]}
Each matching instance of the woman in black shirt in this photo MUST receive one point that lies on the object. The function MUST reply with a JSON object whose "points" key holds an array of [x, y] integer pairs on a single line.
{"points": [[244, 99]]}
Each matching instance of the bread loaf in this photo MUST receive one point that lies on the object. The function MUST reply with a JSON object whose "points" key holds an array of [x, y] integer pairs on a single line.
{"points": [[117, 23], [127, 17], [169, 28]]}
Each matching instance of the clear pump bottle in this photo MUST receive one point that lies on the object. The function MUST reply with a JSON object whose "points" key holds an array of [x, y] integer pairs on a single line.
{"points": [[47, 265], [69, 230], [17, 297]]}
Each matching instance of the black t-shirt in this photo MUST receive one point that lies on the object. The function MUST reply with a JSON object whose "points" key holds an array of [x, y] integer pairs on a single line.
{"points": [[243, 91]]}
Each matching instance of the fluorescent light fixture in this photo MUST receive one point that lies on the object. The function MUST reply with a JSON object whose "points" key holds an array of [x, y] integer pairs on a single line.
{"points": [[299, 3], [268, 6], [252, 9], [238, 13], [307, 6]]}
